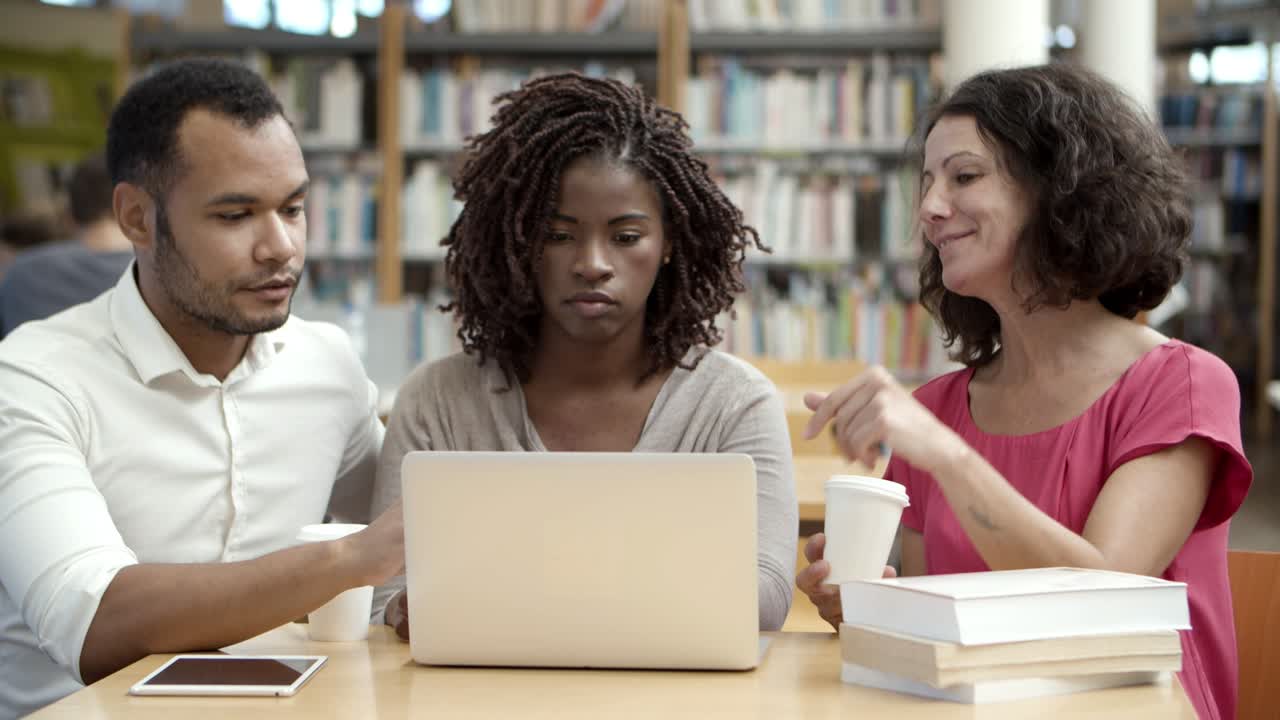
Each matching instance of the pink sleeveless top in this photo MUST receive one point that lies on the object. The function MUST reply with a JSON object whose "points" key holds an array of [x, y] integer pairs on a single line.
{"points": [[1173, 392]]}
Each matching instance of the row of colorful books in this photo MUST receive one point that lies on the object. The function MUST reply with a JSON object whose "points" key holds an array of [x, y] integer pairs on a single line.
{"points": [[728, 103], [811, 320], [324, 98], [429, 210], [809, 15], [803, 217], [835, 218], [1212, 108], [875, 99], [440, 107], [878, 330], [1232, 173], [342, 215], [498, 16]]}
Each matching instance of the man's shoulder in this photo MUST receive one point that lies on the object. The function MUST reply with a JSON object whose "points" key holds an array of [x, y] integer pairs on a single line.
{"points": [[62, 339]]}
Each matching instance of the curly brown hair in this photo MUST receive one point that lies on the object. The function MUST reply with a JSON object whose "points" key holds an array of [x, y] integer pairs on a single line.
{"points": [[510, 183], [1110, 217]]}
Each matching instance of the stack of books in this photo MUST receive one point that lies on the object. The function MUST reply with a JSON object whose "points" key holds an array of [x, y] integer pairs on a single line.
{"points": [[1010, 635]]}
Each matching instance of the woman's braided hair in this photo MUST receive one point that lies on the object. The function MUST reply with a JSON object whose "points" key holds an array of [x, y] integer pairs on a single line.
{"points": [[510, 183]]}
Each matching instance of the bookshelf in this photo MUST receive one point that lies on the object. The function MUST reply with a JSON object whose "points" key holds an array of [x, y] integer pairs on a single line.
{"points": [[376, 169], [149, 38], [824, 188], [397, 176], [922, 38], [1228, 134], [689, 43]]}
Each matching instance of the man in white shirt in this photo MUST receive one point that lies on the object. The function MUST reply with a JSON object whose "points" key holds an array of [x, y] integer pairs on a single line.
{"points": [[161, 445]]}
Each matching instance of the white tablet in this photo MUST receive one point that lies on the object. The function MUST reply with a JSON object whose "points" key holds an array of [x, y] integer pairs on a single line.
{"points": [[271, 675]]}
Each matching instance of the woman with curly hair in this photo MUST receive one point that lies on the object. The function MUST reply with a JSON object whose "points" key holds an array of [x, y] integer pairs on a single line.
{"points": [[591, 258], [1052, 211]]}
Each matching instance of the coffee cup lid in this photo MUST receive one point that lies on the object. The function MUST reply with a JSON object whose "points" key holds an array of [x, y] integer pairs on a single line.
{"points": [[327, 531], [877, 486]]}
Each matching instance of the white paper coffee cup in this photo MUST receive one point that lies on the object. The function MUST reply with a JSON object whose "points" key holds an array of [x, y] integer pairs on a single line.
{"points": [[862, 515], [345, 618]]}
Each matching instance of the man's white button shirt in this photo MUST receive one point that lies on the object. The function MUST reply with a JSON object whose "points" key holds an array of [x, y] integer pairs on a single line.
{"points": [[115, 451]]}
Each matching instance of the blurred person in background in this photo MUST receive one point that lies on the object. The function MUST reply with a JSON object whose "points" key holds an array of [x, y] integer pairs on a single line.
{"points": [[49, 279], [22, 232]]}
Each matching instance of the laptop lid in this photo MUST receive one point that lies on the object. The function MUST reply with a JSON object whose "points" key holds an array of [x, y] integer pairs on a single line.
{"points": [[610, 560]]}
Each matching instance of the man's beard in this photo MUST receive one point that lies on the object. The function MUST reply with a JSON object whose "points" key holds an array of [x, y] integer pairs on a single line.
{"points": [[208, 304]]}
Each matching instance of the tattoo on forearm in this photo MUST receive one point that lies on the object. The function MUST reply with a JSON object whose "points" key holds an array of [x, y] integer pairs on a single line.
{"points": [[982, 519]]}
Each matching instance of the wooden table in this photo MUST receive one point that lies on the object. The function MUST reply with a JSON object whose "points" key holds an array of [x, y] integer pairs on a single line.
{"points": [[798, 679]]}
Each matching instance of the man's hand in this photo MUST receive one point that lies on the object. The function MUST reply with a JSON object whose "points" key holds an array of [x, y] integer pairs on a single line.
{"points": [[825, 597], [376, 554], [154, 608], [398, 614]]}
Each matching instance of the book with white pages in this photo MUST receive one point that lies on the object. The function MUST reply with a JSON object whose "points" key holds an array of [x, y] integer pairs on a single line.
{"points": [[1015, 605], [993, 691], [942, 664]]}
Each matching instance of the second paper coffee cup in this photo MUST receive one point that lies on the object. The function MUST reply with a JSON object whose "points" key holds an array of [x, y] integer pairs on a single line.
{"points": [[862, 515], [345, 618]]}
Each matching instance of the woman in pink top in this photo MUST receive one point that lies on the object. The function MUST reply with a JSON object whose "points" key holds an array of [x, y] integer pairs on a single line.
{"points": [[1052, 212]]}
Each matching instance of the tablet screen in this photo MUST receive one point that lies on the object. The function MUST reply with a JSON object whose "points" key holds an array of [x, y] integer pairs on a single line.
{"points": [[218, 670]]}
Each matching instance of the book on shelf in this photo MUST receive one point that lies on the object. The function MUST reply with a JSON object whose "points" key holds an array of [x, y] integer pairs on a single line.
{"points": [[342, 213], [440, 107], [590, 16], [809, 215], [873, 99], [323, 98], [809, 15], [1226, 174], [1016, 605], [390, 339], [805, 218], [1228, 111], [941, 664], [992, 691], [833, 314], [1241, 175], [429, 210], [433, 334]]}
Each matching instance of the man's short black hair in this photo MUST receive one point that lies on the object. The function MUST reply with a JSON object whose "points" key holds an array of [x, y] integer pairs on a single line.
{"points": [[142, 136], [27, 229], [89, 191]]}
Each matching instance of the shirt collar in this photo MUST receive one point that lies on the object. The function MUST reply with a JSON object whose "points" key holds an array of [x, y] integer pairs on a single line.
{"points": [[152, 351]]}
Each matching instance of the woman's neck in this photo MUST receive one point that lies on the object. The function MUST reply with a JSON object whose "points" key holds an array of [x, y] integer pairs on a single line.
{"points": [[1052, 342], [561, 361]]}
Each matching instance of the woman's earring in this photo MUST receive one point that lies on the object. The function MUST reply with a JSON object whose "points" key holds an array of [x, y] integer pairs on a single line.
{"points": [[666, 260]]}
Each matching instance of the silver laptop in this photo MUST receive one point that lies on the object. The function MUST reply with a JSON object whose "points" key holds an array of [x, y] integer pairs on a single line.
{"points": [[605, 560]]}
